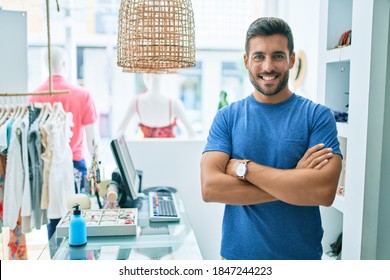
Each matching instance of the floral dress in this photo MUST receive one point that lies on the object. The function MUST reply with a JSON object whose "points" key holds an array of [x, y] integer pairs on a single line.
{"points": [[17, 240]]}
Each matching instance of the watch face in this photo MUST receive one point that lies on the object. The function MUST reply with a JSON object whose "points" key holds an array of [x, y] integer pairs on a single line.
{"points": [[241, 169]]}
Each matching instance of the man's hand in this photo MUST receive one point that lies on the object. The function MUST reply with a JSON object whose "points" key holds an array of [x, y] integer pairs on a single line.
{"points": [[316, 157]]}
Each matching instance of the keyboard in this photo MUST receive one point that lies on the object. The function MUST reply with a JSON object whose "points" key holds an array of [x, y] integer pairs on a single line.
{"points": [[163, 207]]}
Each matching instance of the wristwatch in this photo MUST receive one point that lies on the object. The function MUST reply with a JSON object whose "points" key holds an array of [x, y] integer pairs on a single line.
{"points": [[241, 169]]}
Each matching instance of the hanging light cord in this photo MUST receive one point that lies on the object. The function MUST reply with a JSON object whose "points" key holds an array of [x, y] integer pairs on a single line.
{"points": [[48, 43]]}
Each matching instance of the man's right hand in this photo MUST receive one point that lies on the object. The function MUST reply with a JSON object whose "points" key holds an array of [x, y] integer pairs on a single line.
{"points": [[316, 157]]}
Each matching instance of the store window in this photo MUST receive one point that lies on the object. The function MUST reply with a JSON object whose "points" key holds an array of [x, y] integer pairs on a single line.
{"points": [[94, 74], [106, 16], [37, 70], [190, 94], [232, 80]]}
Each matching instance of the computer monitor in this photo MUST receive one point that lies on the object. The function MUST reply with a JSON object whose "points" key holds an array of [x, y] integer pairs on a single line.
{"points": [[130, 179]]}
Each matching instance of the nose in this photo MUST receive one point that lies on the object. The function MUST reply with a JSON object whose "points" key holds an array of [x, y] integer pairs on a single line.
{"points": [[268, 65]]}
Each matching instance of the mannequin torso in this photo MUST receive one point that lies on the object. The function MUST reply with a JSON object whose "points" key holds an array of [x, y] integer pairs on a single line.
{"points": [[156, 110]]}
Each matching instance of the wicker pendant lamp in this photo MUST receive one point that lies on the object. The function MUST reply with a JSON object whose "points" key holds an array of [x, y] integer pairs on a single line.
{"points": [[156, 36]]}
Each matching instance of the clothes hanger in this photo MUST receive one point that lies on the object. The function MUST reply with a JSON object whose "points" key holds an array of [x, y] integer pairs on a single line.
{"points": [[41, 106], [21, 111], [47, 109], [54, 112], [6, 114], [2, 111], [16, 111], [24, 110]]}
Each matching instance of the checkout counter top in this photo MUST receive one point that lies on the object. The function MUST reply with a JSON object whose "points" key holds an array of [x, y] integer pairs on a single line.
{"points": [[153, 241]]}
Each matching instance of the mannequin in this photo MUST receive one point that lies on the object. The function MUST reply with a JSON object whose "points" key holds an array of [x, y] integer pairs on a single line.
{"points": [[59, 67], [154, 109], [92, 138]]}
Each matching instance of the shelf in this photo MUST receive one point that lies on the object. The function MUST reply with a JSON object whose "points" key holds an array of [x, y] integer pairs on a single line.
{"points": [[325, 257], [342, 129], [338, 203], [339, 20], [338, 54], [337, 85]]}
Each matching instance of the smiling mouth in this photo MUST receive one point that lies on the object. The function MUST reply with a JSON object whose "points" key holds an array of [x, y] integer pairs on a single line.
{"points": [[268, 77]]}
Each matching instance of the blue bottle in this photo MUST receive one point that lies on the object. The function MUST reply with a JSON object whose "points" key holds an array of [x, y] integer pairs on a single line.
{"points": [[77, 228]]}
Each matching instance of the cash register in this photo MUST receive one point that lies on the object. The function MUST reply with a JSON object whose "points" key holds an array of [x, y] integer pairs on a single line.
{"points": [[161, 200]]}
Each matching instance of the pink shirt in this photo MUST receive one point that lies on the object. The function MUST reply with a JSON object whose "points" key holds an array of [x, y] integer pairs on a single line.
{"points": [[79, 102]]}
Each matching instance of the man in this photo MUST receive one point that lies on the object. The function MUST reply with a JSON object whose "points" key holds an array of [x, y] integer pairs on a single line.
{"points": [[80, 103], [272, 158]]}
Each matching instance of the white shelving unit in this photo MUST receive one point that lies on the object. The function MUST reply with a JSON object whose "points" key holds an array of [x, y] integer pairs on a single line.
{"points": [[358, 75]]}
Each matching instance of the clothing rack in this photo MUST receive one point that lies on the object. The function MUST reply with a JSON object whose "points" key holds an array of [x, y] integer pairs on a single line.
{"points": [[5, 94]]}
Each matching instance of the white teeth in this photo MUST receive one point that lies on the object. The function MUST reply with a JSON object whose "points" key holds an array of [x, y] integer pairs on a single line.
{"points": [[269, 78]]}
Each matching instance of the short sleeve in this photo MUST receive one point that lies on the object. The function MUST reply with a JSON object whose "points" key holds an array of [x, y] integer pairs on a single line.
{"points": [[219, 138], [324, 130], [89, 114]]}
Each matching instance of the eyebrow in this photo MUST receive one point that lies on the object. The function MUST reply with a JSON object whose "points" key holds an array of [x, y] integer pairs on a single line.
{"points": [[280, 52], [275, 52]]}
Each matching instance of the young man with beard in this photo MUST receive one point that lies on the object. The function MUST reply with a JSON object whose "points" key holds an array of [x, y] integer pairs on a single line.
{"points": [[273, 158]]}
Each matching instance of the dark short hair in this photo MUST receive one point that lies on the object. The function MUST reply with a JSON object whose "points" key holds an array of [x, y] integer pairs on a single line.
{"points": [[269, 26]]}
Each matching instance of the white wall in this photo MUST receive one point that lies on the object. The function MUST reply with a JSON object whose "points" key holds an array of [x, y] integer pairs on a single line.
{"points": [[13, 55], [303, 18]]}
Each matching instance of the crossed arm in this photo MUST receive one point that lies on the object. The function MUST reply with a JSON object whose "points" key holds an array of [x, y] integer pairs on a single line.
{"points": [[312, 182]]}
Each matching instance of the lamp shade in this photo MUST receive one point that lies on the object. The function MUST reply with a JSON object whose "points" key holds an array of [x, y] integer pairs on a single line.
{"points": [[156, 36]]}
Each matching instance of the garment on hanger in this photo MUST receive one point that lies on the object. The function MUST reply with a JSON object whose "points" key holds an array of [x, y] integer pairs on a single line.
{"points": [[17, 249], [26, 209], [7, 119], [3, 160], [157, 132], [61, 180], [21, 169], [23, 188], [15, 176], [36, 169], [45, 156]]}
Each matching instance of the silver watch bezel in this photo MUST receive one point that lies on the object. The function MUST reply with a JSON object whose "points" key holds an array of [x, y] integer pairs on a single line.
{"points": [[241, 169]]}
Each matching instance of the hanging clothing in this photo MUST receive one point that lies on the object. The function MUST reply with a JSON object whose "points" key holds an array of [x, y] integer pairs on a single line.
{"points": [[3, 160], [39, 170], [36, 170], [157, 132], [46, 159], [15, 182], [61, 181], [27, 138], [17, 249], [26, 208], [17, 246], [5, 135]]}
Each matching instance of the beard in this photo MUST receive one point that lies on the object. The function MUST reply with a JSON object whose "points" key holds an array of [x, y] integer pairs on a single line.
{"points": [[269, 91]]}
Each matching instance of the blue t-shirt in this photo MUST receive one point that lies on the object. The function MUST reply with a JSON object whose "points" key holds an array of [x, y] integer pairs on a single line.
{"points": [[275, 135]]}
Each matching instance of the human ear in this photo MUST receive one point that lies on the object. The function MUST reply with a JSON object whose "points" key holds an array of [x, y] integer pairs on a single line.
{"points": [[292, 60], [246, 60]]}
